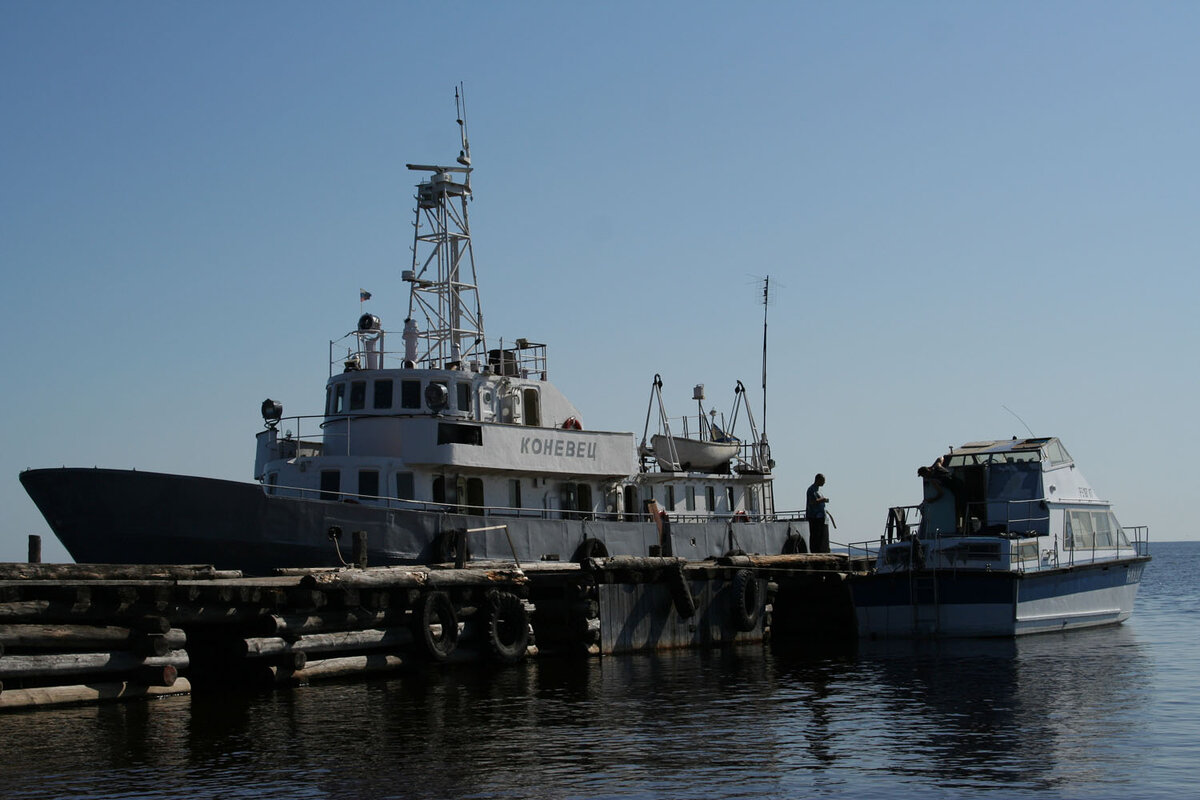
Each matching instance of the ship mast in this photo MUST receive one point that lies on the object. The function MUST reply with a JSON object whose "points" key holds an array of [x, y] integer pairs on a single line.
{"points": [[445, 321]]}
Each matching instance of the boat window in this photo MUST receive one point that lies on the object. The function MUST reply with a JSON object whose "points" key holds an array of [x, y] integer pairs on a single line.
{"points": [[670, 498], [339, 399], [729, 498], [533, 414], [631, 500], [331, 484], [690, 498], [475, 494], [1057, 453], [464, 395], [439, 489], [583, 499], [1079, 530], [514, 493], [328, 399], [383, 393], [1089, 528], [453, 433], [410, 394], [358, 395], [711, 493], [368, 482], [404, 486]]}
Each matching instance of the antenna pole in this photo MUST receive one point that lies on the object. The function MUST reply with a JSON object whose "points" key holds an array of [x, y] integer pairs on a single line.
{"points": [[766, 299]]}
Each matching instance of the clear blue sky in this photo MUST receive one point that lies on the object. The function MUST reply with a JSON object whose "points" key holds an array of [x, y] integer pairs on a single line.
{"points": [[962, 207]]}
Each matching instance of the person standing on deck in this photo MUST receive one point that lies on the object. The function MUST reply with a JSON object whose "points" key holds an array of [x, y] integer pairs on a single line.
{"points": [[814, 512]]}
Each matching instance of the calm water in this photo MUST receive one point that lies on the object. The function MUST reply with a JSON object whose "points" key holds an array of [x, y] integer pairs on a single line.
{"points": [[1106, 713]]}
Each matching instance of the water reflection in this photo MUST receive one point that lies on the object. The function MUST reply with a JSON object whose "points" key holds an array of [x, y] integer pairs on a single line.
{"points": [[1041, 713]]}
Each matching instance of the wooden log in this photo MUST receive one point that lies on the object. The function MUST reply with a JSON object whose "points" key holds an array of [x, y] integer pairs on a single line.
{"points": [[292, 625], [378, 577], [60, 664], [165, 675], [111, 572], [65, 636], [44, 612], [404, 577], [630, 563], [377, 638], [808, 561], [88, 693]]}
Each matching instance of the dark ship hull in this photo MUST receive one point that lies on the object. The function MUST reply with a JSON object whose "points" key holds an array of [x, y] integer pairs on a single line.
{"points": [[133, 517]]}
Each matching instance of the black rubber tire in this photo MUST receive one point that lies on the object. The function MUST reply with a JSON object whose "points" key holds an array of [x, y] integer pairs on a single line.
{"points": [[589, 548], [507, 624], [681, 591], [436, 608], [794, 544], [746, 601]]}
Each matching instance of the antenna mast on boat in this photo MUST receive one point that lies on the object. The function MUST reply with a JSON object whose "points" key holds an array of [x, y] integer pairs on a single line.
{"points": [[442, 280], [766, 301]]}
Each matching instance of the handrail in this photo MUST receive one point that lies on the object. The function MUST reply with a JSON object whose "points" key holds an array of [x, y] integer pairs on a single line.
{"points": [[307, 492]]}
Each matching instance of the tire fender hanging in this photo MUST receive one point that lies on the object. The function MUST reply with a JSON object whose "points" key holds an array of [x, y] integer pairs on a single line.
{"points": [[435, 608], [507, 625], [746, 600]]}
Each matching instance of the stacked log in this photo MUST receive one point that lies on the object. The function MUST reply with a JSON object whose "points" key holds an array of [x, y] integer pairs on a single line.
{"points": [[72, 633]]}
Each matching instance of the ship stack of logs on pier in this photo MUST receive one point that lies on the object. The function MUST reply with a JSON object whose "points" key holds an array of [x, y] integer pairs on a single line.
{"points": [[77, 633]]}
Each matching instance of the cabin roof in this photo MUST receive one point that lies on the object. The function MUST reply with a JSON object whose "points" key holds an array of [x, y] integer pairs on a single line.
{"points": [[1004, 446]]}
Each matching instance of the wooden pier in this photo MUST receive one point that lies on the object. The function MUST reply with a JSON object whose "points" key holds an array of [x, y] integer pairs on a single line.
{"points": [[80, 633]]}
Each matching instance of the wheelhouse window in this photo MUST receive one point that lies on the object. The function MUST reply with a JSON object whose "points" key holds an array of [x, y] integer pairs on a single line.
{"points": [[383, 393], [670, 498], [711, 493], [464, 396], [690, 498], [410, 394], [368, 482], [337, 399], [729, 499], [331, 484], [405, 488], [358, 395], [514, 493]]}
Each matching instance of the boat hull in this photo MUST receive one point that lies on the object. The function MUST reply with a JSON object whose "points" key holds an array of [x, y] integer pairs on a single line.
{"points": [[693, 455], [134, 517], [968, 603]]}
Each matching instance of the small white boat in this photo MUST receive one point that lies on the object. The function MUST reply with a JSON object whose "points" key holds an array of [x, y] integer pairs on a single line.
{"points": [[1011, 539], [679, 454]]}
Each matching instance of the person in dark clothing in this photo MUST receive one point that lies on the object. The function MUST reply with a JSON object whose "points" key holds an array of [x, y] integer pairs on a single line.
{"points": [[814, 512]]}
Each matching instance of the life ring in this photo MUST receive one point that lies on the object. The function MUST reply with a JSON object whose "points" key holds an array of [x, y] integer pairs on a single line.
{"points": [[507, 624], [435, 608], [746, 602], [681, 591], [572, 424], [740, 516]]}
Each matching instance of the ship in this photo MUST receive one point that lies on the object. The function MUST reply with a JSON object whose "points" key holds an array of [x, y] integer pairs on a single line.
{"points": [[435, 444], [1010, 539]]}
